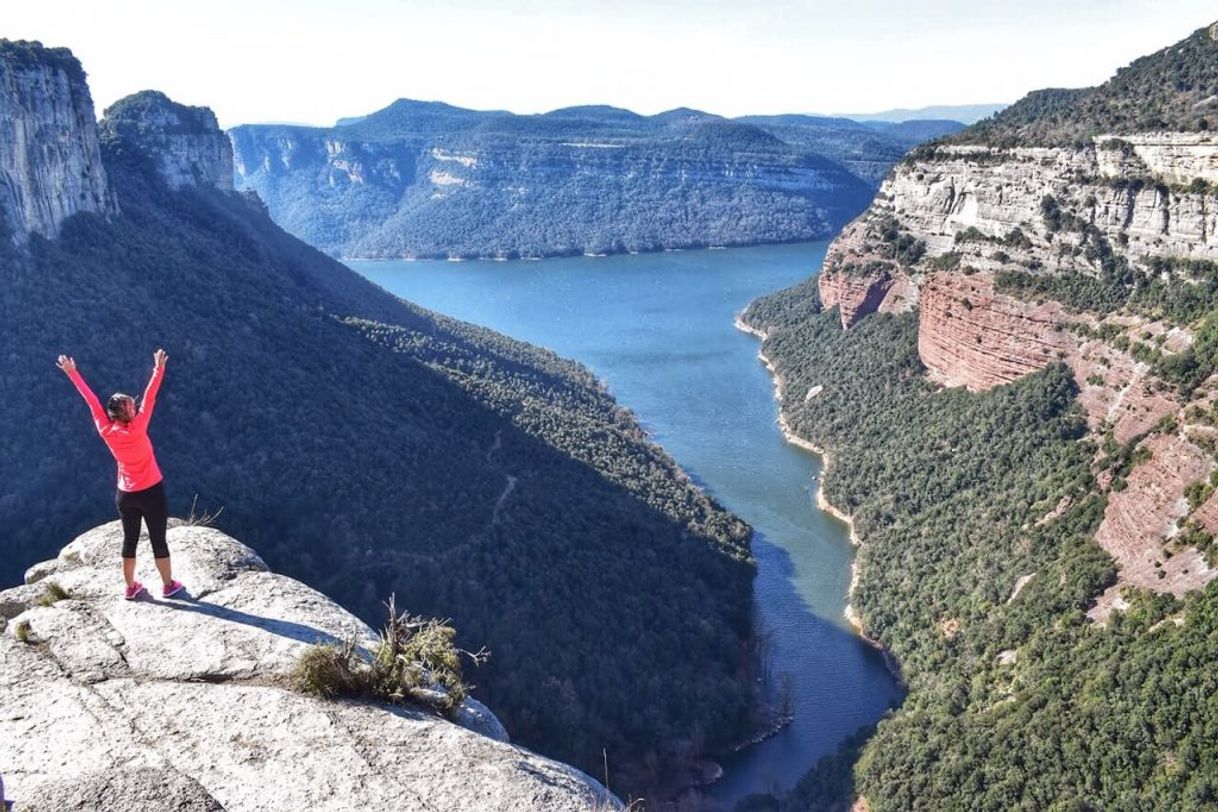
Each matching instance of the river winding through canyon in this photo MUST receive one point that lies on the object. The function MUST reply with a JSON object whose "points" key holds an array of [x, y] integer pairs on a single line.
{"points": [[658, 329]]}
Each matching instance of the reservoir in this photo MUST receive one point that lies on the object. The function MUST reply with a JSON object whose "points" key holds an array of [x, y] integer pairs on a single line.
{"points": [[658, 329]]}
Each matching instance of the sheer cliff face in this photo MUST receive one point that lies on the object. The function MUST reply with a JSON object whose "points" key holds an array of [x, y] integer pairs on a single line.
{"points": [[50, 161], [978, 211]]}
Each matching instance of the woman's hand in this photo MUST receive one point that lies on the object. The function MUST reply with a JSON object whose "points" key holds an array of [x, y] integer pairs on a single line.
{"points": [[159, 358], [66, 364]]}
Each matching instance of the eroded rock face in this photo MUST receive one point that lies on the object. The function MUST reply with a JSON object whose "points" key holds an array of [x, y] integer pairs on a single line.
{"points": [[50, 158], [424, 180], [855, 296], [185, 143], [1119, 392], [1143, 518], [996, 191], [979, 211], [185, 700], [969, 336]]}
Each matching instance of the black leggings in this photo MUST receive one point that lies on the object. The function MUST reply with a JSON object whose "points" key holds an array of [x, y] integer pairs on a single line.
{"points": [[151, 506]]}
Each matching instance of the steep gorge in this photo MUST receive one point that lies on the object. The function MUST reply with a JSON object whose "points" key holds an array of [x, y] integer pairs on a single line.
{"points": [[347, 435]]}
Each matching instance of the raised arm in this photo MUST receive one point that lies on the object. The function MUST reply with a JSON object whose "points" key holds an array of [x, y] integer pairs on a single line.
{"points": [[154, 385], [68, 365]]}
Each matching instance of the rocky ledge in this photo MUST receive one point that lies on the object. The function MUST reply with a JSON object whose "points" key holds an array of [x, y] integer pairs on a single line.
{"points": [[185, 703]]}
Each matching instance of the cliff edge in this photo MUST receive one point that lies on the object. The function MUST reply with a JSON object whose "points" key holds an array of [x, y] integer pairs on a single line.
{"points": [[186, 704]]}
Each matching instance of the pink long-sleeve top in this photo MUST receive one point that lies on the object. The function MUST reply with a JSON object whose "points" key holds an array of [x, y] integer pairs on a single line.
{"points": [[128, 442]]}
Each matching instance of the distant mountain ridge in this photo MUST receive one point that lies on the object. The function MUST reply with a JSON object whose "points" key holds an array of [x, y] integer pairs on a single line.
{"points": [[965, 113], [430, 180]]}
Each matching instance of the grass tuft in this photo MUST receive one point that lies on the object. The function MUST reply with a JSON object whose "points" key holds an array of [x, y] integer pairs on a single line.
{"points": [[413, 657], [53, 595]]}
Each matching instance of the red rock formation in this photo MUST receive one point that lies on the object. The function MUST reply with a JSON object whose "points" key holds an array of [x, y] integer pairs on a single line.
{"points": [[1118, 392], [970, 336], [901, 297], [1141, 519], [1207, 514], [856, 295]]}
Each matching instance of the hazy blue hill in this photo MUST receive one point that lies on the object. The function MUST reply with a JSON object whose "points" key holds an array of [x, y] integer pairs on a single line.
{"points": [[736, 136], [915, 131], [682, 116], [406, 117], [423, 179], [800, 120], [966, 113], [598, 112], [368, 447], [868, 149]]}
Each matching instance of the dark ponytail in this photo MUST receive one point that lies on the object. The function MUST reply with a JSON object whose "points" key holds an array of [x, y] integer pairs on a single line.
{"points": [[115, 407]]}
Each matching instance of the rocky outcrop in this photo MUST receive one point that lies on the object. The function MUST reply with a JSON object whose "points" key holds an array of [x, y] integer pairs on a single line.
{"points": [[50, 158], [969, 336], [185, 703], [185, 143], [1144, 518], [1117, 391], [996, 190], [855, 295], [1178, 158]]}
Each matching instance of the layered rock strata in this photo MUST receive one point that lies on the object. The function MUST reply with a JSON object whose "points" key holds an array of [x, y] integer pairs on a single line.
{"points": [[997, 190], [184, 703], [976, 211], [969, 336], [854, 295], [425, 180], [1146, 516]]}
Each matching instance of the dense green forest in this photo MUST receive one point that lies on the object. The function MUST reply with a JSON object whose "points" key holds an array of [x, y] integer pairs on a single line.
{"points": [[1014, 702], [1173, 89], [424, 179], [368, 448]]}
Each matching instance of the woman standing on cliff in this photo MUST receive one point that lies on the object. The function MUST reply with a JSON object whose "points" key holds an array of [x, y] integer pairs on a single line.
{"points": [[141, 488]]}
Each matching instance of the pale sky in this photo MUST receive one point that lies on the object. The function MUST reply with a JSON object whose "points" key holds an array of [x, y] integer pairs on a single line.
{"points": [[313, 61]]}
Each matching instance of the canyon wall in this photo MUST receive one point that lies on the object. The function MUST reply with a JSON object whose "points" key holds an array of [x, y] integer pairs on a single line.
{"points": [[428, 180], [951, 219], [50, 158]]}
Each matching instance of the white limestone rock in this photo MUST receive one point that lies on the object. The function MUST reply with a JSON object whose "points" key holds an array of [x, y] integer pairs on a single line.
{"points": [[184, 703], [996, 190]]}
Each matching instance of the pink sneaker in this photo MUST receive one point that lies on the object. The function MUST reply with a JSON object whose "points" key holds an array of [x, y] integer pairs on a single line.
{"points": [[172, 588], [132, 591]]}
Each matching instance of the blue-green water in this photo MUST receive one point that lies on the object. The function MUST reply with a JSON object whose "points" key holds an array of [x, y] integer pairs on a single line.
{"points": [[658, 328]]}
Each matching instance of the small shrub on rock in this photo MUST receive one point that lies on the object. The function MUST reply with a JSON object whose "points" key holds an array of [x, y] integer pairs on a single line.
{"points": [[414, 662], [53, 595]]}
